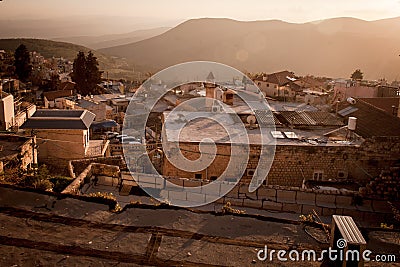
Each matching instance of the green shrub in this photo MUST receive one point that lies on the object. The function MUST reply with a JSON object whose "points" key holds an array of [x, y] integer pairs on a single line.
{"points": [[60, 183]]}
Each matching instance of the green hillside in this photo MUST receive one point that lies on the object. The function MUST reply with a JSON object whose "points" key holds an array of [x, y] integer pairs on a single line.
{"points": [[50, 49]]}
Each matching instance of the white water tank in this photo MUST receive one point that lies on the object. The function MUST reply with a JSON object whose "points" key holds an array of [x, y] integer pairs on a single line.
{"points": [[351, 100], [351, 125]]}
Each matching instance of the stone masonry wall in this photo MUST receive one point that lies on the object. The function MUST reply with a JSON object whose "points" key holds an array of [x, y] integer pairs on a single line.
{"points": [[303, 201], [294, 163]]}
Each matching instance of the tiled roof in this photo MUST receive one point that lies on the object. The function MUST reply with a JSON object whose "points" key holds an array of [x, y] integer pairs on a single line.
{"points": [[371, 121], [67, 86], [59, 119], [52, 95], [384, 103], [280, 78]]}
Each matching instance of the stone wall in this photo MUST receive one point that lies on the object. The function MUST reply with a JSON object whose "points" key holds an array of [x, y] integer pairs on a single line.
{"points": [[284, 199], [75, 167], [295, 163], [303, 201], [60, 144], [93, 169]]}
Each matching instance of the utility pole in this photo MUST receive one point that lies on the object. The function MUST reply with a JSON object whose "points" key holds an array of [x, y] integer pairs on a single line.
{"points": [[33, 143]]}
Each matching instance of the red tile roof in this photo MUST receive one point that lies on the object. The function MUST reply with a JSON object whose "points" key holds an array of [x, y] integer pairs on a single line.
{"points": [[371, 120], [52, 95], [384, 103]]}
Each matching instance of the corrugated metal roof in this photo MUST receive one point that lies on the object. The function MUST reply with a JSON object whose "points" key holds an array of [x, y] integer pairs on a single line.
{"points": [[266, 118], [347, 111], [296, 118], [324, 118], [309, 118]]}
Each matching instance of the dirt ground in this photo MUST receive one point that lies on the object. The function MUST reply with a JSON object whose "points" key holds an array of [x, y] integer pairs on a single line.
{"points": [[41, 230]]}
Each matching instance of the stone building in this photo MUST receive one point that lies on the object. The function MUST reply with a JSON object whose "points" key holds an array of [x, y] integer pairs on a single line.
{"points": [[274, 84], [309, 146], [63, 135], [51, 96]]}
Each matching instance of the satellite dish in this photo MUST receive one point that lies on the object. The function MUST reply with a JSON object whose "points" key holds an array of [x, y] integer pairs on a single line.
{"points": [[251, 119]]}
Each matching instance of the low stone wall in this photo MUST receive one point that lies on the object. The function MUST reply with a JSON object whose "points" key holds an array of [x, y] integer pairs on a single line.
{"points": [[75, 167], [303, 201], [282, 198], [93, 169]]}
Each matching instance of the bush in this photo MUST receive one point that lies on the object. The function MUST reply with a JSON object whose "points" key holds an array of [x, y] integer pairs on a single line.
{"points": [[107, 198], [60, 183], [39, 180]]}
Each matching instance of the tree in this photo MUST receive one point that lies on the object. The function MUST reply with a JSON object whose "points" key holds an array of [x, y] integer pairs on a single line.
{"points": [[86, 73], [22, 63], [53, 82], [357, 75], [92, 69]]}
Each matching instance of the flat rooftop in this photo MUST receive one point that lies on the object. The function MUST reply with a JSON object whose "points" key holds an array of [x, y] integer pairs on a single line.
{"points": [[208, 127], [10, 144], [46, 230]]}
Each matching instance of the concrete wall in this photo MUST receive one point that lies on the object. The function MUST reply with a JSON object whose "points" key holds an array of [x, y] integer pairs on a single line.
{"points": [[6, 111], [22, 116], [343, 91]]}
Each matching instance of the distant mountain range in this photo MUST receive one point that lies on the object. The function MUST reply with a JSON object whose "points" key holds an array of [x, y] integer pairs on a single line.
{"points": [[78, 25], [103, 41], [333, 47]]}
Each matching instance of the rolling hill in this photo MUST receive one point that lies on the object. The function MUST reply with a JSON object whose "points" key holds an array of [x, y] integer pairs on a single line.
{"points": [[103, 41], [333, 47], [50, 49]]}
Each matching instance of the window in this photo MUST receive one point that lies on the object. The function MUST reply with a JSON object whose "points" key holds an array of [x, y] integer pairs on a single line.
{"points": [[213, 178], [258, 83], [342, 174], [318, 175], [250, 172], [198, 176]]}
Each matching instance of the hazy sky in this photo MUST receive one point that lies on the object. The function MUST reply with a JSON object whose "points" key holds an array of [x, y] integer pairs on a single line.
{"points": [[174, 10]]}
